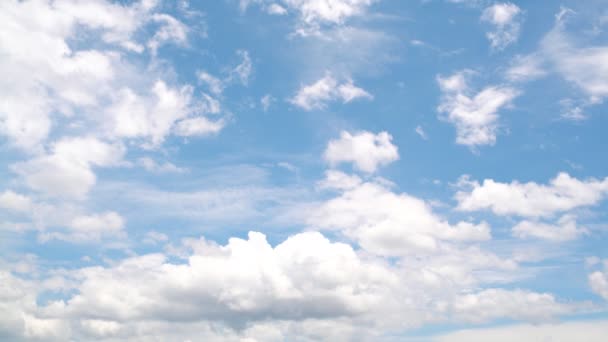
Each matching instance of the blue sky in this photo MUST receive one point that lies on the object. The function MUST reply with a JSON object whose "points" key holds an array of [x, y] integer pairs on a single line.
{"points": [[302, 170]]}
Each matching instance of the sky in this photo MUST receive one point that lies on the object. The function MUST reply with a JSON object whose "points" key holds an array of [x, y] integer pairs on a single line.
{"points": [[303, 170]]}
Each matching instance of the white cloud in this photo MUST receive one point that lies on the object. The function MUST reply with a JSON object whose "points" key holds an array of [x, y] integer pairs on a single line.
{"points": [[586, 67], [563, 193], [388, 223], [151, 116], [244, 69], [339, 180], [171, 30], [367, 151], [216, 86], [565, 229], [198, 126], [151, 165], [420, 131], [13, 201], [276, 9], [89, 228], [67, 170], [301, 287], [516, 304], [475, 116], [35, 38], [506, 19], [526, 68], [326, 89], [598, 281], [266, 101], [591, 331], [328, 11]]}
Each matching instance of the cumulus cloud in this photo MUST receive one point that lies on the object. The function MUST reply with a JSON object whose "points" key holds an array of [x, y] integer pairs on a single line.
{"points": [[598, 281], [389, 223], [327, 89], [367, 151], [563, 193], [67, 170], [474, 115], [506, 19], [35, 40], [300, 287], [565, 229], [13, 201]]}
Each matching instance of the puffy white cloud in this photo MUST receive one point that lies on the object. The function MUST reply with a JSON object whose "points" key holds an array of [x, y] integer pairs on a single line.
{"points": [[150, 117], [388, 223], [34, 40], [367, 151], [565, 229], [339, 180], [506, 19], [305, 276], [198, 126], [326, 89], [475, 116], [13, 201], [328, 11], [563, 193], [300, 287], [516, 304], [598, 281], [89, 228], [67, 171]]}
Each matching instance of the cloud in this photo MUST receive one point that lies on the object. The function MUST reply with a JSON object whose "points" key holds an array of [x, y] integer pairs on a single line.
{"points": [[565, 229], [516, 304], [388, 223], [67, 171], [171, 30], [152, 117], [598, 281], [526, 68], [327, 89], [300, 287], [420, 131], [13, 201], [151, 165], [243, 71], [366, 150], [475, 116], [37, 40], [339, 180], [592, 331], [584, 66], [563, 193], [198, 126], [506, 19], [88, 228]]}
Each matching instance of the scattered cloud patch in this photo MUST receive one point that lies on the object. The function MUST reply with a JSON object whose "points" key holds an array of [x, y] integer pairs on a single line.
{"points": [[327, 89], [367, 151]]}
